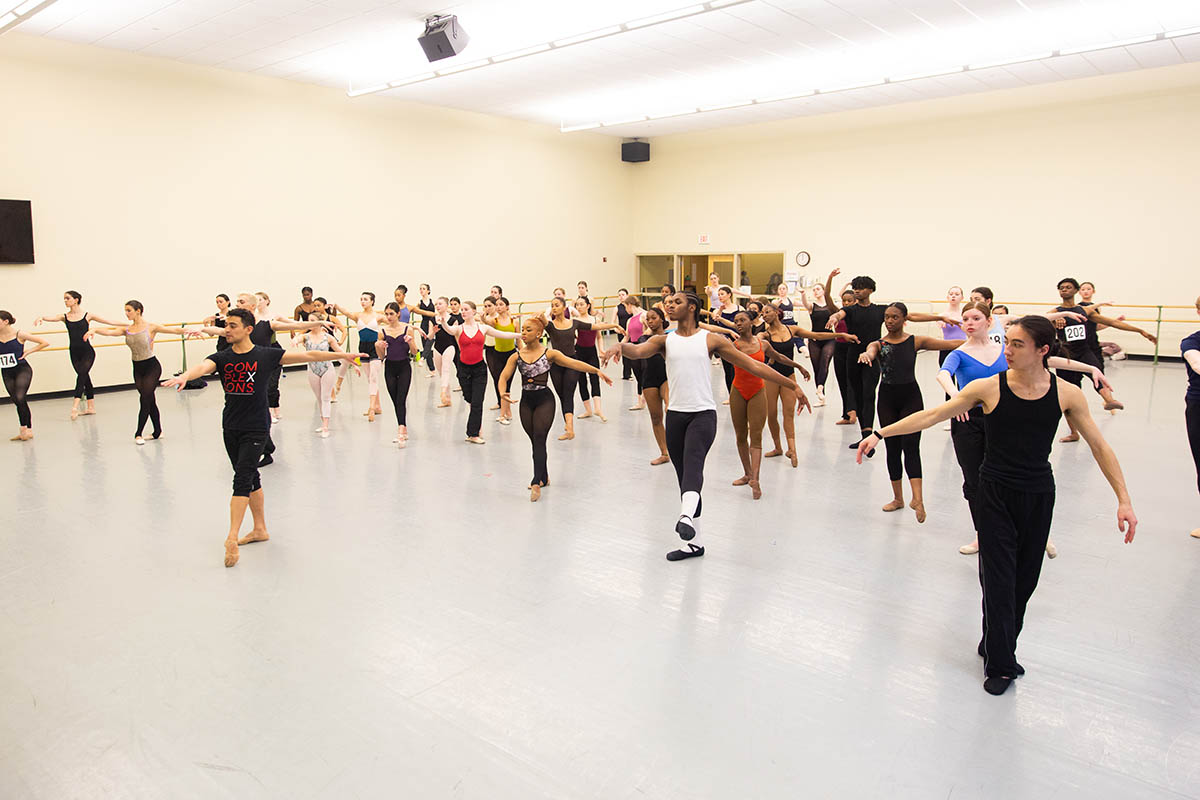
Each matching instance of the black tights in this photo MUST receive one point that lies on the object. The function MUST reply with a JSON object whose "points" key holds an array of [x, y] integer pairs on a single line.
{"points": [[82, 359], [588, 356], [727, 368], [496, 360], [397, 375], [689, 436], [537, 415], [145, 379], [16, 381], [564, 380], [839, 370], [861, 380], [821, 353], [1192, 414], [638, 367], [897, 401]]}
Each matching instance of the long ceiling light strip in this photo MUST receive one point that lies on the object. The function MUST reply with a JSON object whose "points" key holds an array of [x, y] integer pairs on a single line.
{"points": [[884, 81], [13, 14], [557, 44]]}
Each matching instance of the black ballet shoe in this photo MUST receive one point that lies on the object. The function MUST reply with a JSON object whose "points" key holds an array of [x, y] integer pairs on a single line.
{"points": [[997, 685], [692, 551], [685, 529], [265, 460]]}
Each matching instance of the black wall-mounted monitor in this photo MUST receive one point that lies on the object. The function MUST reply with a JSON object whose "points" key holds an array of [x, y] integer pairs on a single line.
{"points": [[16, 232]]}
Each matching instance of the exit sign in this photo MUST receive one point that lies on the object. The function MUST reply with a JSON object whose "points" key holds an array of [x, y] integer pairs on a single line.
{"points": [[702, 238]]}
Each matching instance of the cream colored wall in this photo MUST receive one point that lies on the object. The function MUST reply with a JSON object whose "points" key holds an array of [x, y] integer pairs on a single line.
{"points": [[1095, 179], [168, 183]]}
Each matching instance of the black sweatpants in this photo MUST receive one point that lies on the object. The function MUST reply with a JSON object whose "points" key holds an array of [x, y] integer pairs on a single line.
{"points": [[839, 370], [82, 359], [473, 378], [861, 380], [146, 375], [821, 352], [1014, 525], [397, 376], [970, 444], [1192, 416], [588, 356], [273, 387], [245, 448], [16, 381], [897, 401], [564, 386], [690, 434], [537, 415]]}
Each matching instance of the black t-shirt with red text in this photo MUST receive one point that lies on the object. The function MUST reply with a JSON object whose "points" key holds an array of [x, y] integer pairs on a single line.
{"points": [[244, 379]]}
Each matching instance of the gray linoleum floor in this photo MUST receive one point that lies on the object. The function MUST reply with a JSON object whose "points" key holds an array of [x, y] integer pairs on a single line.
{"points": [[416, 628]]}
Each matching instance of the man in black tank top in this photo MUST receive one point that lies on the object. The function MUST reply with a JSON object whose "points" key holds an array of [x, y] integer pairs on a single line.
{"points": [[1014, 503]]}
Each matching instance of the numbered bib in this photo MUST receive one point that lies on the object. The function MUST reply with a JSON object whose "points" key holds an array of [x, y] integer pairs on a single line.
{"points": [[1075, 333], [7, 360]]}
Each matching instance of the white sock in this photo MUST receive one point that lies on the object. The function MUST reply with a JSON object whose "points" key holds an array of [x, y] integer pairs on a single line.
{"points": [[688, 504]]}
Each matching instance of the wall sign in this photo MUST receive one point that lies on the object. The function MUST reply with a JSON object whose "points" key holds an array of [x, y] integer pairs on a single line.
{"points": [[702, 239]]}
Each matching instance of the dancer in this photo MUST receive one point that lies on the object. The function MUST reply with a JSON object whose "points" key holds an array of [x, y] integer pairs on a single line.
{"points": [[587, 352], [653, 381], [426, 305], [691, 422], [952, 331], [667, 290], [748, 399], [635, 333], [472, 372], [16, 372], [724, 315], [819, 350], [713, 292], [306, 307], [1190, 348], [1015, 506], [267, 337], [246, 420], [1080, 343], [534, 361], [321, 373], [444, 348], [561, 332], [981, 356], [217, 320], [501, 353], [400, 340], [783, 338], [139, 337], [622, 316], [368, 334], [899, 397], [83, 355]]}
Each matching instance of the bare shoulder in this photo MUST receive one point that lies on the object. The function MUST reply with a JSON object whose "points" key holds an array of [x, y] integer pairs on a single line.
{"points": [[1070, 396]]}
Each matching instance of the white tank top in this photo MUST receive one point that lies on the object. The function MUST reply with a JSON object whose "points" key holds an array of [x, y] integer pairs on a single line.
{"points": [[688, 372], [996, 333]]}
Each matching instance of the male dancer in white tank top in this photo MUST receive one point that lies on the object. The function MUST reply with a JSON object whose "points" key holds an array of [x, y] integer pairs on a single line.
{"points": [[691, 420]]}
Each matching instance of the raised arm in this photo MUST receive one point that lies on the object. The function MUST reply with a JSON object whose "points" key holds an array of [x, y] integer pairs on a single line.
{"points": [[205, 367], [829, 287], [1076, 409]]}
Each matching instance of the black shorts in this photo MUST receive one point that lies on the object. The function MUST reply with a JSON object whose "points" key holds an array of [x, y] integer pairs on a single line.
{"points": [[654, 373]]}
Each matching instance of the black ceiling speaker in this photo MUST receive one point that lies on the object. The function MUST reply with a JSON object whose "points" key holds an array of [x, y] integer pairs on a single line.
{"points": [[443, 37], [635, 151]]}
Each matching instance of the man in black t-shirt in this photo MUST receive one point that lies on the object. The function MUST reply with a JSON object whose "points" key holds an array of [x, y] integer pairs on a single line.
{"points": [[244, 369]]}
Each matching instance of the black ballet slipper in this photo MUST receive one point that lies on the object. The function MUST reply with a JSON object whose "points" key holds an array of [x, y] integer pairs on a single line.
{"points": [[997, 685], [685, 529], [692, 551]]}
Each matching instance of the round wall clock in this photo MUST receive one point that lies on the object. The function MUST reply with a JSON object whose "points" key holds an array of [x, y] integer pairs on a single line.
{"points": [[802, 259]]}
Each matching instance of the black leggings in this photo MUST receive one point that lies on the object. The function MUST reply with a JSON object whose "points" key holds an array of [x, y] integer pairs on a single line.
{"points": [[82, 359], [588, 356], [496, 361], [427, 349], [1013, 528], [839, 370], [861, 380], [16, 381], [897, 401], [821, 352], [245, 449], [970, 444], [537, 415], [638, 367], [146, 375], [564, 380], [727, 368], [398, 377], [689, 436], [273, 386], [1192, 415], [473, 379]]}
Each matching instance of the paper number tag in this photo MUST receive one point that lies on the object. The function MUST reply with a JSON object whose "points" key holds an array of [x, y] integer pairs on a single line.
{"points": [[7, 360], [1075, 333]]}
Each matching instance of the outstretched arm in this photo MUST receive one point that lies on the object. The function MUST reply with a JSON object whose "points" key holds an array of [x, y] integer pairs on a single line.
{"points": [[829, 287], [822, 335], [651, 346], [1076, 409], [932, 343], [714, 329], [306, 356], [50, 318], [205, 367], [116, 330], [558, 358], [1058, 362], [1124, 326], [725, 349], [984, 390], [283, 325], [490, 331], [870, 354]]}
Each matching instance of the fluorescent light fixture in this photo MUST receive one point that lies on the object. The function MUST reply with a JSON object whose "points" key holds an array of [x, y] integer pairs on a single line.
{"points": [[725, 3], [587, 126], [528, 51], [411, 79], [615, 122], [849, 86], [1181, 32], [24, 8], [7, 18], [587, 37], [724, 106], [368, 90], [781, 97], [1108, 45], [1004, 62], [464, 67], [919, 75], [683, 112], [666, 16]]}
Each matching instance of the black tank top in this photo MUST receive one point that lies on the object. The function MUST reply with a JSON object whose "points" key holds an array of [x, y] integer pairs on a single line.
{"points": [[425, 321], [1019, 436], [787, 350], [898, 362], [75, 332], [820, 317]]}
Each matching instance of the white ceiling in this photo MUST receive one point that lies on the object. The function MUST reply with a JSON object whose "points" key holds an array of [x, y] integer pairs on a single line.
{"points": [[752, 50]]}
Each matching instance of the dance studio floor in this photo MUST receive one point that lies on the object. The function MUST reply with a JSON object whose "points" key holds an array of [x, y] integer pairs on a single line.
{"points": [[416, 628]]}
